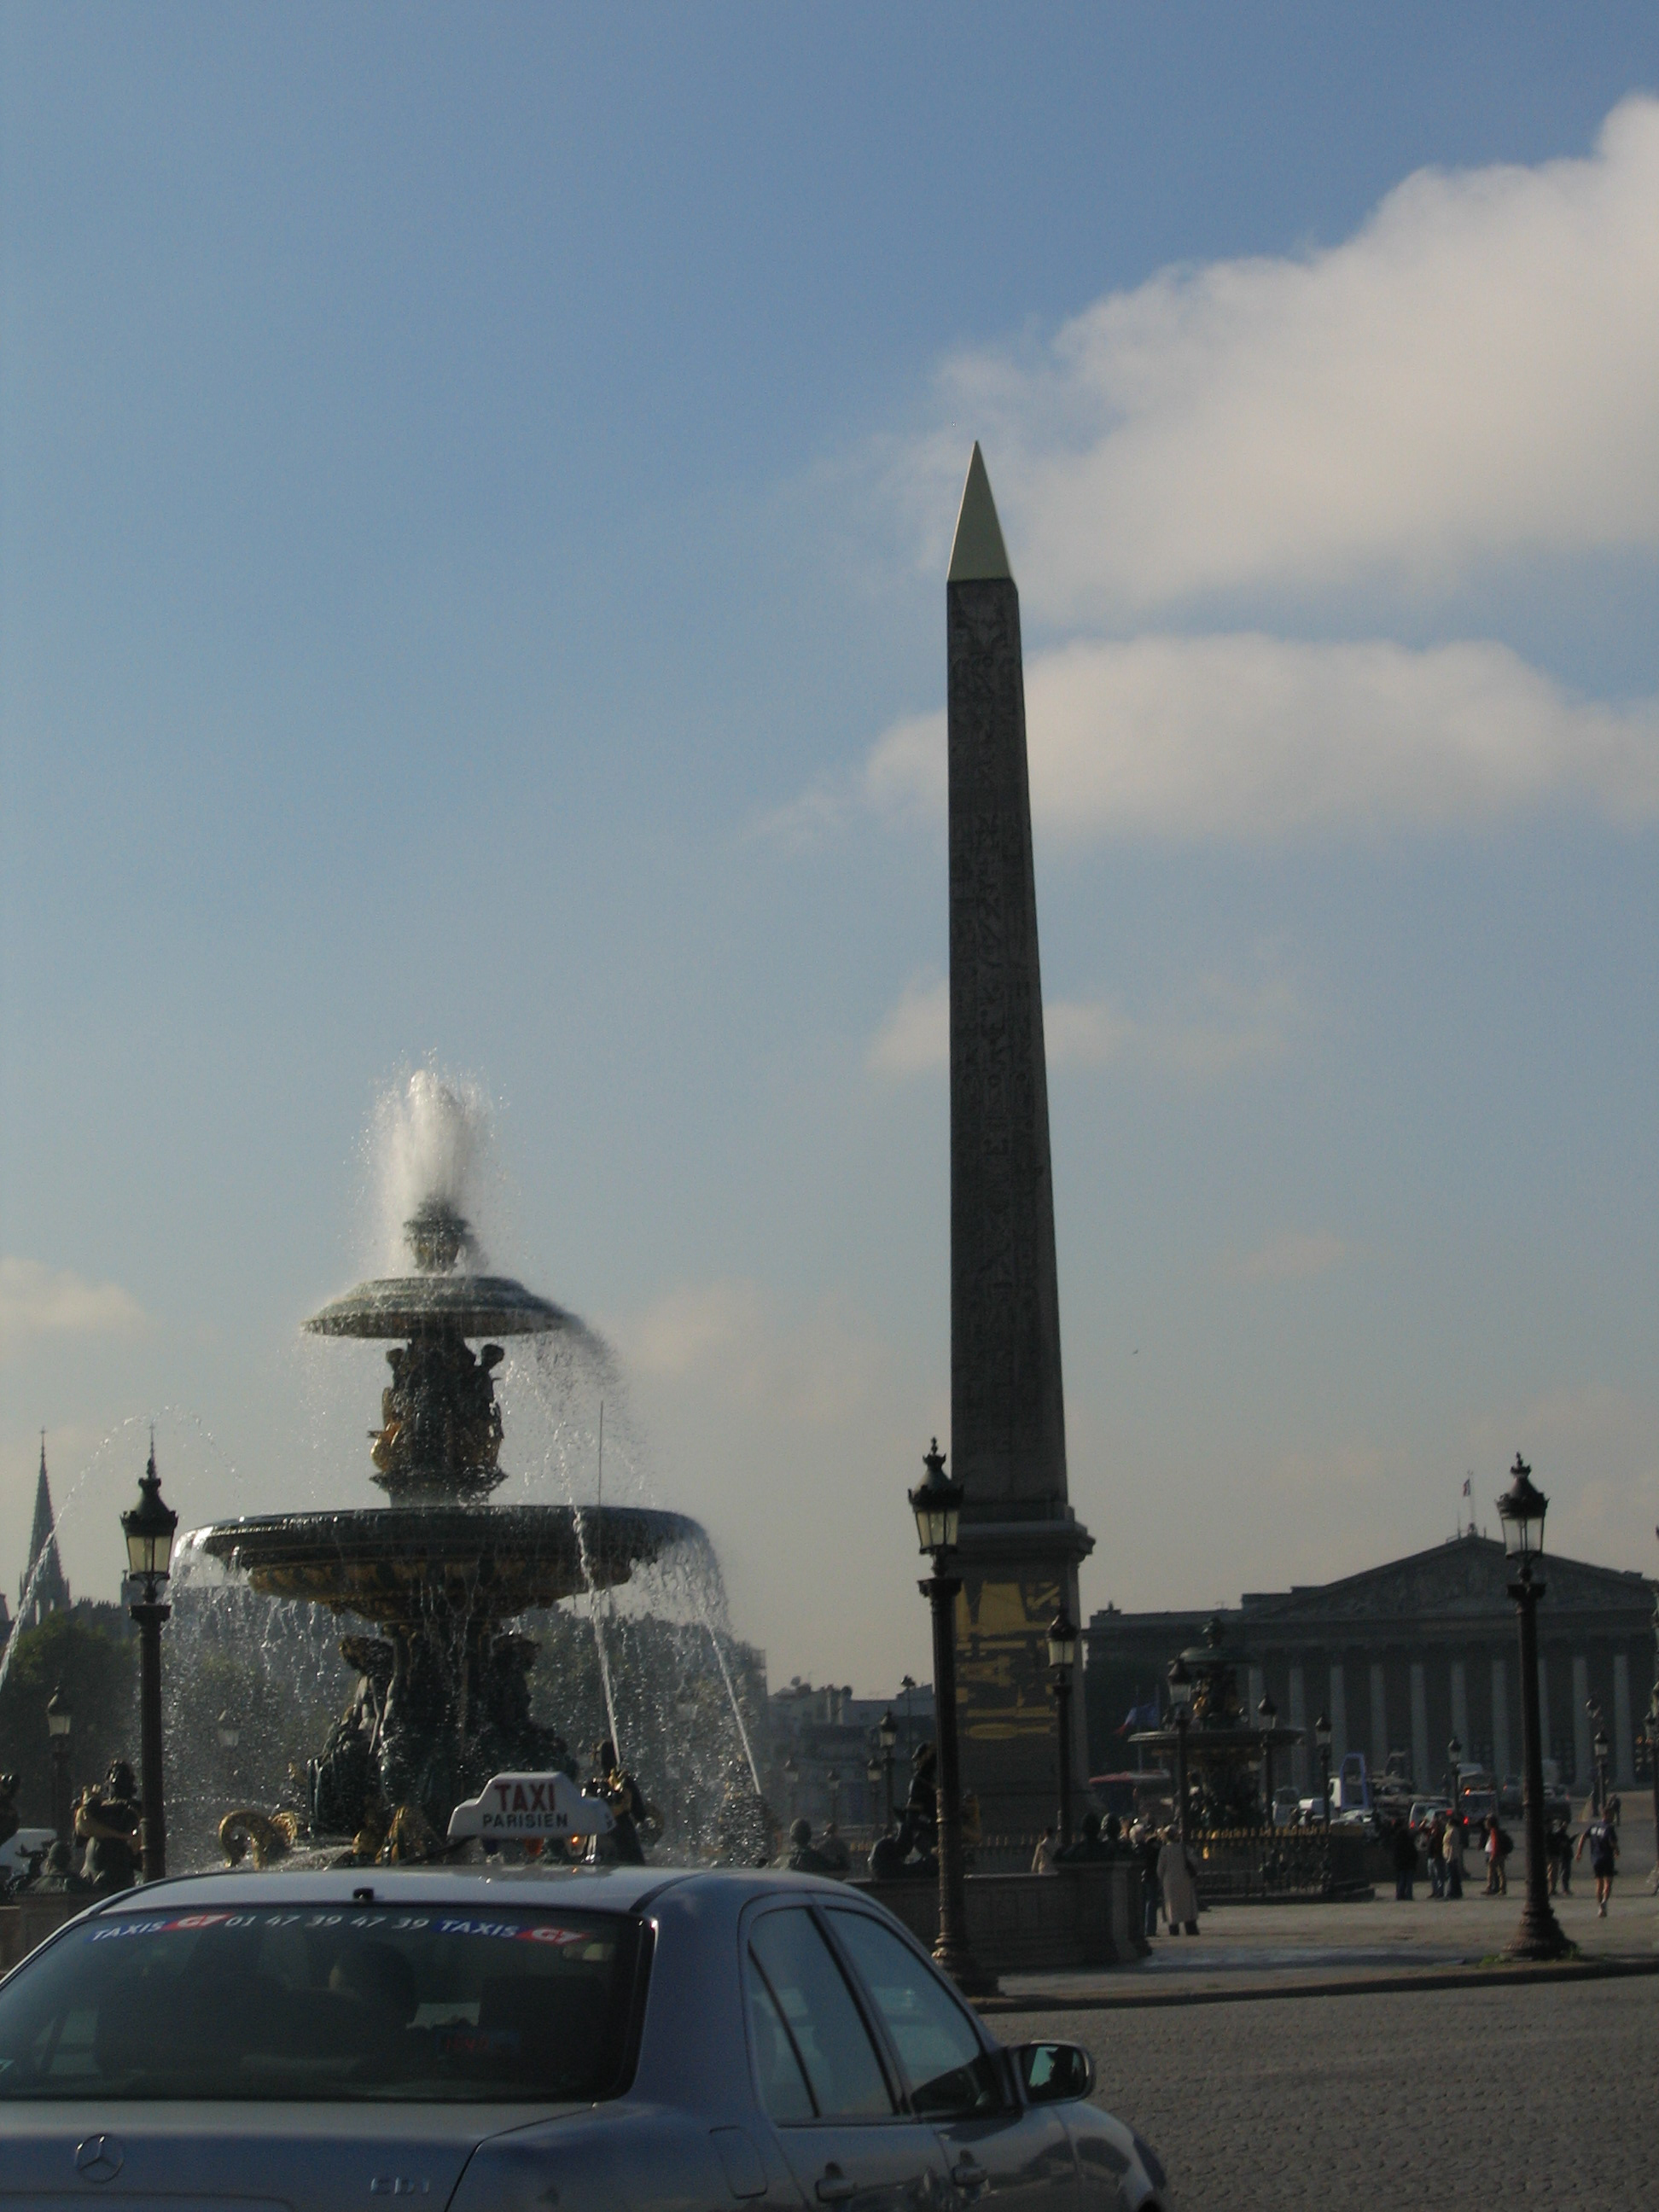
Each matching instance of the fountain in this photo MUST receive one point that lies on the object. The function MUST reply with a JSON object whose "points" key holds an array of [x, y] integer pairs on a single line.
{"points": [[438, 1573]]}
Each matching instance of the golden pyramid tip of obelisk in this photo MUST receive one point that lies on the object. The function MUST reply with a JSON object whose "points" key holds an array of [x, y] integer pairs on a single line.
{"points": [[978, 554]]}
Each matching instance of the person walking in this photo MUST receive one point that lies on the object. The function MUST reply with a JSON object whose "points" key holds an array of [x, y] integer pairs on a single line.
{"points": [[1451, 1850], [1177, 1875], [1042, 1858], [1405, 1862], [1497, 1880], [1145, 1847], [1433, 1844], [1602, 1837]]}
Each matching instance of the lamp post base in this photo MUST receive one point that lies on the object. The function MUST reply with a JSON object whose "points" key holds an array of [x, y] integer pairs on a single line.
{"points": [[1539, 1936], [952, 1956]]}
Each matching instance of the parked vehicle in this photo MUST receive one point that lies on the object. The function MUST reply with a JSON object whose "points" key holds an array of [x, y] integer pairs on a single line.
{"points": [[480, 2040], [1424, 1812]]}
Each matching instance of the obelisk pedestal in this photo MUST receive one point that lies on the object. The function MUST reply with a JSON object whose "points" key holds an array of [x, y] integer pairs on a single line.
{"points": [[1021, 1543]]}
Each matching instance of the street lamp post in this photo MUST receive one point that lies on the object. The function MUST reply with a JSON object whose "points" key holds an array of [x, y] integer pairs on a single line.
{"points": [[1522, 1509], [871, 1785], [1322, 1738], [1454, 1764], [229, 1729], [59, 1721], [1181, 1698], [1267, 1713], [1062, 1658], [1600, 1747], [148, 1529], [791, 1776], [937, 1505], [1653, 1768], [888, 1734], [908, 1683], [832, 1783]]}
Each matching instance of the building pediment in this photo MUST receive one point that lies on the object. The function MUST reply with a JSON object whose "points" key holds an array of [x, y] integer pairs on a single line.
{"points": [[1470, 1576]]}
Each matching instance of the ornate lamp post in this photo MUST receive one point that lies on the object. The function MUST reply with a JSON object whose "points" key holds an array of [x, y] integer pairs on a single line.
{"points": [[791, 1776], [937, 1504], [1454, 1762], [148, 1528], [59, 1721], [1322, 1738], [1522, 1509], [872, 1786], [1062, 1658], [1268, 1714], [1653, 1765], [229, 1729], [887, 1733], [1181, 1698], [1600, 1746], [832, 1783]]}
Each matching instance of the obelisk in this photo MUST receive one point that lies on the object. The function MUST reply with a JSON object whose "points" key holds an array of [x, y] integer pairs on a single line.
{"points": [[1021, 1541]]}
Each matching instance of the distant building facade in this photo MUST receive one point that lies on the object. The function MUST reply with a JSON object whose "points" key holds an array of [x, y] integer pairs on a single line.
{"points": [[826, 1731], [1404, 1657]]}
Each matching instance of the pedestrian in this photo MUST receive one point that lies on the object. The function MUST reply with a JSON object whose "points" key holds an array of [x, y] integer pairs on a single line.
{"points": [[1498, 1881], [1434, 1839], [1178, 1876], [1602, 1837], [1146, 1845], [1452, 1850], [1405, 1862], [1042, 1858]]}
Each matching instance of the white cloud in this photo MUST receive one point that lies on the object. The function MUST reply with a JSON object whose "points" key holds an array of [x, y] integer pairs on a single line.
{"points": [[1216, 1026], [726, 1338], [37, 1302], [917, 1036], [1248, 736], [1291, 1257], [1474, 375]]}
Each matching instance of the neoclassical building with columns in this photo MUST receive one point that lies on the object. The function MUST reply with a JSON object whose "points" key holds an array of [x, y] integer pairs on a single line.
{"points": [[1403, 1657]]}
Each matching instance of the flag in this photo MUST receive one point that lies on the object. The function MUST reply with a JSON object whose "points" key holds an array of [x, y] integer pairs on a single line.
{"points": [[1140, 1716], [1468, 1491]]}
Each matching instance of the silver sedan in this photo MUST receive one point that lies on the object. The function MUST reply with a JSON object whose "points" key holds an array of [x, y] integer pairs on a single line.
{"points": [[633, 2039]]}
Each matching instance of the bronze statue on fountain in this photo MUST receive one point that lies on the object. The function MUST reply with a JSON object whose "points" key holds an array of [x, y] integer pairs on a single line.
{"points": [[442, 1697]]}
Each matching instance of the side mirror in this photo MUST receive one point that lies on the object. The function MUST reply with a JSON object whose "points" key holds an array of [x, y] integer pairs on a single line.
{"points": [[1054, 2073]]}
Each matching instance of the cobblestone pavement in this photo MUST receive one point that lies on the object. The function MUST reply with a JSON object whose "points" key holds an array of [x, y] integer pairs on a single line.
{"points": [[1529, 2094], [1241, 1945]]}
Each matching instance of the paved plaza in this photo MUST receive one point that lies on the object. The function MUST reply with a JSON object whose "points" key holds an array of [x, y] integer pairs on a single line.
{"points": [[1296, 2056], [1525, 2094]]}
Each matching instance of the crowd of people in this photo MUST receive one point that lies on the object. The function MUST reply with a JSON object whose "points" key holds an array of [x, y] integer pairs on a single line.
{"points": [[1436, 1848]]}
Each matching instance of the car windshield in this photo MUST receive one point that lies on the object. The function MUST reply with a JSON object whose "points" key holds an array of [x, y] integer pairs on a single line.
{"points": [[345, 2002]]}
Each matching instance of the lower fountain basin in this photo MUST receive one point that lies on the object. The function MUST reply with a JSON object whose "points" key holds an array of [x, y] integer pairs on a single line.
{"points": [[405, 1563]]}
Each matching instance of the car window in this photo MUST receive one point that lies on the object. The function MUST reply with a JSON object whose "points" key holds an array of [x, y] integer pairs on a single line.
{"points": [[434, 2006], [812, 2001], [783, 2086], [947, 2071]]}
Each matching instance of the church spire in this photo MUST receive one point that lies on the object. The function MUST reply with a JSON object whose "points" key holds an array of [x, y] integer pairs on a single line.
{"points": [[43, 1589]]}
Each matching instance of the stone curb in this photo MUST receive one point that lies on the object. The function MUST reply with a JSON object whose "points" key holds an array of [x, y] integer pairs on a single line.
{"points": [[1359, 1986]]}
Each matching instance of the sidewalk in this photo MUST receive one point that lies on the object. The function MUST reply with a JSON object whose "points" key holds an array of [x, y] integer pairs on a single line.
{"points": [[1244, 1950]]}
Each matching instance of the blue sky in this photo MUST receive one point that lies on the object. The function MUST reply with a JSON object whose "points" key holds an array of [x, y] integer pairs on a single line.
{"points": [[476, 485]]}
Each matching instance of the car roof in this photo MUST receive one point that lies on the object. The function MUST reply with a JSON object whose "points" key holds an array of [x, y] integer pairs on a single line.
{"points": [[592, 1889]]}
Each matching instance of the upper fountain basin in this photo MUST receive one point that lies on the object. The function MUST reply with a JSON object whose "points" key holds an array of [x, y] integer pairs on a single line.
{"points": [[467, 1305]]}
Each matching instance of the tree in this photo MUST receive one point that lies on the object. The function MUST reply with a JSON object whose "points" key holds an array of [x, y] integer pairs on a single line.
{"points": [[84, 1653]]}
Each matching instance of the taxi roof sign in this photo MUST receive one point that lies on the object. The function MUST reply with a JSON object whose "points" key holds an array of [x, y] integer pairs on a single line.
{"points": [[519, 1806]]}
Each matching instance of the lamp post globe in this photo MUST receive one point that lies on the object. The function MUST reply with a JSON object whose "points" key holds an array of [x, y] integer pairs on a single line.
{"points": [[147, 1529], [1521, 1509], [1063, 1642], [1180, 1700], [936, 1503]]}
